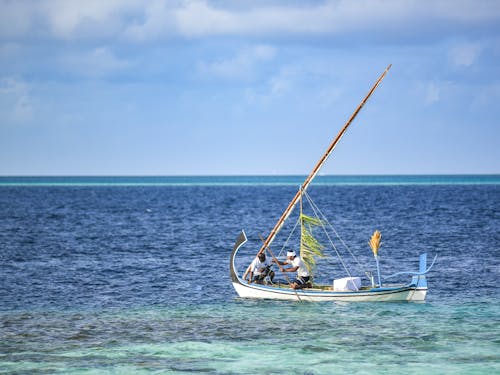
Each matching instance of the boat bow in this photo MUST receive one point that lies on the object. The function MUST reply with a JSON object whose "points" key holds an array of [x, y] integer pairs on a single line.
{"points": [[242, 238]]}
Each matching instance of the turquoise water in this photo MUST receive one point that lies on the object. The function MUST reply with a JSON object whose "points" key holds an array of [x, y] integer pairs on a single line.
{"points": [[248, 337], [245, 180], [120, 275]]}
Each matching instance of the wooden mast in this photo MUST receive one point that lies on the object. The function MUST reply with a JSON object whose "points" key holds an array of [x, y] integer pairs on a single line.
{"points": [[318, 166]]}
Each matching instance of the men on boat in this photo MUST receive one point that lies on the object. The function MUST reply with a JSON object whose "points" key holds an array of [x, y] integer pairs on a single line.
{"points": [[260, 269], [297, 264]]}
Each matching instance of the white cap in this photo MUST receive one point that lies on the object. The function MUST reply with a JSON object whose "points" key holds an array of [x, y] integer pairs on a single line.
{"points": [[290, 253]]}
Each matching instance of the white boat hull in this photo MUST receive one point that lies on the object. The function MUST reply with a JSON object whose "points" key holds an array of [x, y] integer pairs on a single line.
{"points": [[403, 293]]}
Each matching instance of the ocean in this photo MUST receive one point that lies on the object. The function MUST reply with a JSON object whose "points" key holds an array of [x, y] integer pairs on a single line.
{"points": [[130, 275]]}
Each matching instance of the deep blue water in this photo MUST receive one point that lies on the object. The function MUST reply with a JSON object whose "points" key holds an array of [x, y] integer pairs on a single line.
{"points": [[112, 278]]}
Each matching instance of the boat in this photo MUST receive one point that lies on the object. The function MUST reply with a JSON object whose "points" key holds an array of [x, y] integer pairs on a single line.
{"points": [[365, 288]]}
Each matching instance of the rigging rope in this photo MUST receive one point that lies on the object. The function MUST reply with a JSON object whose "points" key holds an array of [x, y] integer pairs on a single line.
{"points": [[323, 217], [288, 239], [319, 215], [328, 235]]}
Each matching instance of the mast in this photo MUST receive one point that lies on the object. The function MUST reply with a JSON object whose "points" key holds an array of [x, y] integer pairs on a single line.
{"points": [[318, 166]]}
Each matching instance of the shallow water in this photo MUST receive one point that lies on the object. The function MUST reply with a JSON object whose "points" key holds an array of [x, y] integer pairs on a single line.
{"points": [[134, 279]]}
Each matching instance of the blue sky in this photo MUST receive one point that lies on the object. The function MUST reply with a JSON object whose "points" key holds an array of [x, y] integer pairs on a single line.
{"points": [[128, 87]]}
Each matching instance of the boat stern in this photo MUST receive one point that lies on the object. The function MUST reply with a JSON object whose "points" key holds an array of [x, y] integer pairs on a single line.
{"points": [[419, 281]]}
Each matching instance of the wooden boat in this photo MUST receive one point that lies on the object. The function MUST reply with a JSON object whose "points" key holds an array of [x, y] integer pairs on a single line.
{"points": [[345, 289]]}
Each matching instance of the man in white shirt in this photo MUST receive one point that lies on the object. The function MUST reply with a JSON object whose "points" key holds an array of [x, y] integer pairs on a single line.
{"points": [[260, 268], [297, 264]]}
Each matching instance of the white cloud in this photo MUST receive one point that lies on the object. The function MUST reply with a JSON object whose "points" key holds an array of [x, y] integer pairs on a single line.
{"points": [[15, 100], [68, 19], [432, 93], [275, 87], [155, 20], [465, 54], [283, 81], [435, 91], [205, 18], [138, 20], [202, 18], [241, 66], [97, 62], [464, 10]]}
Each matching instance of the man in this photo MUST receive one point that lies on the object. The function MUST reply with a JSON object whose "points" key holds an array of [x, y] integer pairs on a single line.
{"points": [[260, 268], [297, 264]]}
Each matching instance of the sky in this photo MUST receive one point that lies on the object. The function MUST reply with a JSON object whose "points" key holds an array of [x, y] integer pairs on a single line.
{"points": [[132, 87]]}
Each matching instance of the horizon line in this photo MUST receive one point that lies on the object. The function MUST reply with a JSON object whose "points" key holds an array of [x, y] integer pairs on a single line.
{"points": [[250, 175]]}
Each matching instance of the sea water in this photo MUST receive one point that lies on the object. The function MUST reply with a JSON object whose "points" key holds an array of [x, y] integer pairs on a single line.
{"points": [[131, 275]]}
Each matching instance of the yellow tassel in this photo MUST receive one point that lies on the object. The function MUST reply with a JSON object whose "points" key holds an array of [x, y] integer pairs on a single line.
{"points": [[375, 242]]}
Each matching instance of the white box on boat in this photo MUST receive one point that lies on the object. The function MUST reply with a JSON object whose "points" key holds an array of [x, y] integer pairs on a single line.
{"points": [[347, 284]]}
